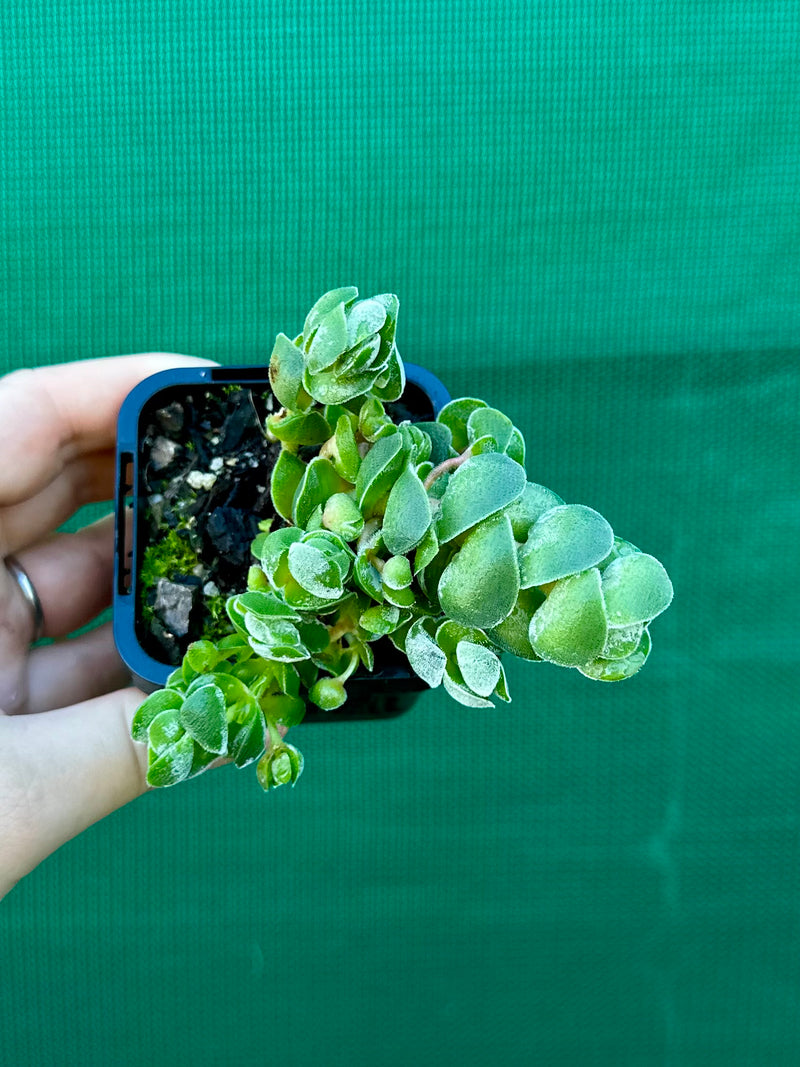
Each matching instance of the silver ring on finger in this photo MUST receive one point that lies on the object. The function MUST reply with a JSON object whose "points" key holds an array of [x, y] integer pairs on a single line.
{"points": [[28, 590]]}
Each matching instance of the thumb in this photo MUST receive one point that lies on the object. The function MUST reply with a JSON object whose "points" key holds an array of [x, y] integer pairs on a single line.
{"points": [[61, 771]]}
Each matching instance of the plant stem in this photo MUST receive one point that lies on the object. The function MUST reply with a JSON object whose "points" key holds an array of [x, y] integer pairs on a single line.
{"points": [[351, 666], [446, 466]]}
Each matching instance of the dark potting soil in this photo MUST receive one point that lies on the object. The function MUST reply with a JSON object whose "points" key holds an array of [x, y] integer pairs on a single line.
{"points": [[205, 469]]}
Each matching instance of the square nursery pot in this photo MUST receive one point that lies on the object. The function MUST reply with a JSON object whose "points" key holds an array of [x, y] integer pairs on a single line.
{"points": [[190, 443]]}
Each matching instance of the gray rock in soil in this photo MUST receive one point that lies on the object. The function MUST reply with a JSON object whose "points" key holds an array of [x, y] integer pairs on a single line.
{"points": [[173, 605], [163, 452], [170, 418]]}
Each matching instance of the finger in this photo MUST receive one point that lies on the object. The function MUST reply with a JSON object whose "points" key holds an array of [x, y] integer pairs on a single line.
{"points": [[49, 415], [85, 480], [61, 772], [76, 669], [72, 574]]}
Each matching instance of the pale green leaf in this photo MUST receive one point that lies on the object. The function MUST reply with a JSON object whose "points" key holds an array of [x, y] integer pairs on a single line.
{"points": [[533, 503], [408, 513], [427, 660], [479, 666], [286, 366], [491, 422], [203, 718], [481, 486], [455, 414], [479, 586], [161, 700], [571, 627], [565, 540], [617, 670], [314, 571], [171, 766], [636, 589], [379, 469]]}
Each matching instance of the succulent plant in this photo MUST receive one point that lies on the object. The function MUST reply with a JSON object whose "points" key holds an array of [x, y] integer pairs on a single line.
{"points": [[427, 534]]}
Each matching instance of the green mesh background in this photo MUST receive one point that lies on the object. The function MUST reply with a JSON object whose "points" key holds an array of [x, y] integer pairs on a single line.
{"points": [[590, 213]]}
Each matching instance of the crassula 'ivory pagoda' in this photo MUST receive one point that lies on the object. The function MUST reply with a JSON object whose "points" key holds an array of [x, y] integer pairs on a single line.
{"points": [[426, 534]]}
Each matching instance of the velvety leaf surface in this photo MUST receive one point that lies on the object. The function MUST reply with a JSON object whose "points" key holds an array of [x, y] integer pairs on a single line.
{"points": [[616, 670], [408, 513], [455, 415], [426, 658], [479, 667], [564, 540], [203, 718], [477, 489], [570, 628], [480, 584], [636, 589]]}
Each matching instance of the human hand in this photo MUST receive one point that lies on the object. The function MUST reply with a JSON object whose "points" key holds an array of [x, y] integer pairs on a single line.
{"points": [[66, 755]]}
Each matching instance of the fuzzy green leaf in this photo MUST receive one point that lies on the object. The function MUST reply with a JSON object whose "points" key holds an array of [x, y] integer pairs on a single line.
{"points": [[284, 710], [480, 487], [479, 666], [622, 641], [425, 657], [286, 476], [203, 718], [161, 700], [326, 303], [320, 482], [565, 540], [165, 730], [408, 513], [173, 765], [617, 670], [202, 656], [396, 573], [455, 415], [265, 606], [246, 739], [426, 549], [441, 440], [314, 571], [534, 502], [329, 341], [274, 550], [378, 471], [348, 458], [516, 447], [367, 577], [401, 598], [380, 620], [391, 383], [342, 516], [512, 633], [286, 366], [453, 682], [479, 586], [299, 428], [571, 627], [636, 589], [491, 422]]}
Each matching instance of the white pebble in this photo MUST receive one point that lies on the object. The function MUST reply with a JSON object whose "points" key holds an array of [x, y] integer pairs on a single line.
{"points": [[199, 480]]}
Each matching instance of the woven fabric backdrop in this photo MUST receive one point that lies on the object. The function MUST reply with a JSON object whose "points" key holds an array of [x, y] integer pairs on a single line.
{"points": [[590, 212]]}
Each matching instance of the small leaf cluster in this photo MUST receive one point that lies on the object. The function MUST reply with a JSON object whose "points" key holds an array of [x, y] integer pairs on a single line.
{"points": [[427, 534]]}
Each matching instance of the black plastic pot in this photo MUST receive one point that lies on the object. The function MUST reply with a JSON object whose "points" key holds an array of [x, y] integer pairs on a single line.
{"points": [[390, 690]]}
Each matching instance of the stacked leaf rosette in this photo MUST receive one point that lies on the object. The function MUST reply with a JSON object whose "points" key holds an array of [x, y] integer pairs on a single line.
{"points": [[426, 534]]}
